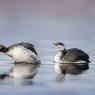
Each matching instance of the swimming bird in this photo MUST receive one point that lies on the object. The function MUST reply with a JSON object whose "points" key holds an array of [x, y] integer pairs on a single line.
{"points": [[21, 53], [71, 55]]}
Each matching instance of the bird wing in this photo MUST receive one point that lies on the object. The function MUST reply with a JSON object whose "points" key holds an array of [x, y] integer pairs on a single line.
{"points": [[75, 54], [26, 45]]}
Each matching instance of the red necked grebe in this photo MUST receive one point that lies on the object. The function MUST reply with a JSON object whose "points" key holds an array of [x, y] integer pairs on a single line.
{"points": [[21, 52], [70, 55]]}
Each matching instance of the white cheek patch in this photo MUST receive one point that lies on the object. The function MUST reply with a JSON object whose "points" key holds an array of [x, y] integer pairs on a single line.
{"points": [[60, 47]]}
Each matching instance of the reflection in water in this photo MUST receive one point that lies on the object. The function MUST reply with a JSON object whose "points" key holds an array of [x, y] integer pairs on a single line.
{"points": [[69, 68], [21, 73]]}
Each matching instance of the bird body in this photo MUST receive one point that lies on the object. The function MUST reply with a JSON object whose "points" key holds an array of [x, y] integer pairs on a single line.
{"points": [[23, 52], [71, 55]]}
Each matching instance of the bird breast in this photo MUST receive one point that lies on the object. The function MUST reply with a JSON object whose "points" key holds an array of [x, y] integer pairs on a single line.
{"points": [[21, 54], [58, 57]]}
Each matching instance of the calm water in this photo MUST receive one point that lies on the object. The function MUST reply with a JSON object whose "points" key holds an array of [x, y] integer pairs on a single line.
{"points": [[43, 22], [45, 79]]}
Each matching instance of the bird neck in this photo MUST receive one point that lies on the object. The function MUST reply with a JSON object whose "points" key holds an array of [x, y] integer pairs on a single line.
{"points": [[62, 53], [5, 49]]}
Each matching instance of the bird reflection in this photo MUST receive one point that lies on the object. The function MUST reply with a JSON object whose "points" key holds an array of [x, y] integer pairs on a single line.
{"points": [[21, 73], [69, 68]]}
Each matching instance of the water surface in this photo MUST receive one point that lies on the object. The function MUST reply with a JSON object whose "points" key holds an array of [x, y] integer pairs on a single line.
{"points": [[77, 80]]}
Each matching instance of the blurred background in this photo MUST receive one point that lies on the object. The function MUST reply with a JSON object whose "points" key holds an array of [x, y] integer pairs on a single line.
{"points": [[29, 20], [45, 21]]}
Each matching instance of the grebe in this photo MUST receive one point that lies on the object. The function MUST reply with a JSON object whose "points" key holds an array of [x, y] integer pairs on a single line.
{"points": [[21, 52], [71, 55]]}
